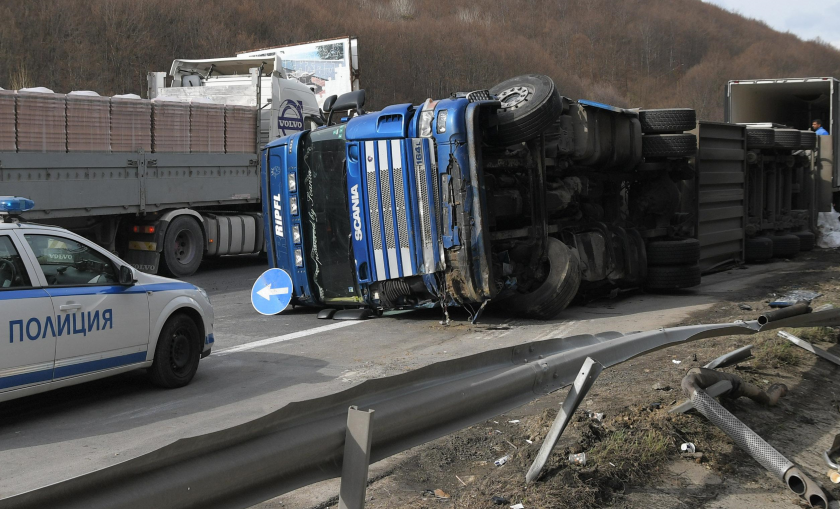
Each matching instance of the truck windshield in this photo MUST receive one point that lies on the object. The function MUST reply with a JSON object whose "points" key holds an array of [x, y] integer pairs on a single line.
{"points": [[325, 216]]}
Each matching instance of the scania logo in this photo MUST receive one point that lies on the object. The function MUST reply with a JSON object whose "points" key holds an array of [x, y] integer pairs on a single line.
{"points": [[357, 213], [290, 117]]}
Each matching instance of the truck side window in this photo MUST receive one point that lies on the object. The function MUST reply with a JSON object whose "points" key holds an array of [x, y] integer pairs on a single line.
{"points": [[66, 262], [12, 271]]}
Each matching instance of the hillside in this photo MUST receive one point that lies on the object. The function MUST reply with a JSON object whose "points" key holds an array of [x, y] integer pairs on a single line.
{"points": [[638, 53]]}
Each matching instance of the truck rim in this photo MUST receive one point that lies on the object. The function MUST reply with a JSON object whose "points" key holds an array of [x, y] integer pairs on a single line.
{"points": [[512, 97], [184, 247]]}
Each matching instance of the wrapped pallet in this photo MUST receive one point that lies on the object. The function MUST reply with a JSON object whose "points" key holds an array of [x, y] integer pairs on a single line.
{"points": [[207, 126], [131, 124], [240, 129], [170, 126], [88, 122], [41, 120], [7, 121]]}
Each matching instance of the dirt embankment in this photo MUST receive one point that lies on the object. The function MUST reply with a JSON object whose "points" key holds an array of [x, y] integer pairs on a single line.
{"points": [[633, 450]]}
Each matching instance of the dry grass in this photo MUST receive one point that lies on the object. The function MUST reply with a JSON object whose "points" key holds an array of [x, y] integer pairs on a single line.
{"points": [[773, 352], [631, 454], [817, 334]]}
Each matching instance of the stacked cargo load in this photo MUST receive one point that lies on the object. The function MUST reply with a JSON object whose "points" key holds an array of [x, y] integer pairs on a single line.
{"points": [[41, 121], [240, 129], [131, 123], [170, 126], [88, 122], [7, 121], [207, 126]]}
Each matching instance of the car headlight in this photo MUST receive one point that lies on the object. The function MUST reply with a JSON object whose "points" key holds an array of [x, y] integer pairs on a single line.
{"points": [[426, 123], [298, 257], [293, 205], [292, 183], [203, 292], [296, 234]]}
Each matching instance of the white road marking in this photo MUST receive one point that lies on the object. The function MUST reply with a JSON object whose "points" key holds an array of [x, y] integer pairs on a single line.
{"points": [[286, 337]]}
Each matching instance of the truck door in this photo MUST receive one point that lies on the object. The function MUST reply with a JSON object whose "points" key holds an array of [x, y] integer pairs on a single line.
{"points": [[27, 340], [100, 324]]}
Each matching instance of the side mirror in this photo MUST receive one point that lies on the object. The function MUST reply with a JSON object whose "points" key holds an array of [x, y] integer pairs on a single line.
{"points": [[127, 276], [349, 101], [329, 101]]}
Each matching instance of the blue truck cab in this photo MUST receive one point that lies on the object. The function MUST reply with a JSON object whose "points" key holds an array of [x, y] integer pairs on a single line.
{"points": [[451, 202]]}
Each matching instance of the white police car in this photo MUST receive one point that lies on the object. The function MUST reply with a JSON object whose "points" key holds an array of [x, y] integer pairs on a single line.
{"points": [[71, 311]]}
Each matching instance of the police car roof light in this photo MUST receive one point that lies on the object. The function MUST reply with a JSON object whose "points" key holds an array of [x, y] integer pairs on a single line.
{"points": [[13, 205]]}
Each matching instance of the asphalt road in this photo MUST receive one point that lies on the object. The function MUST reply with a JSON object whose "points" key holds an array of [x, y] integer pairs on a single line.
{"points": [[71, 431]]}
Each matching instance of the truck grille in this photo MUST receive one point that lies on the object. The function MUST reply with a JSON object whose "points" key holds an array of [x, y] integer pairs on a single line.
{"points": [[393, 167]]}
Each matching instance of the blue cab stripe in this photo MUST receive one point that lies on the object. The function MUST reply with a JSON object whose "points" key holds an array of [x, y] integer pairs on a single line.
{"points": [[99, 364], [44, 375]]}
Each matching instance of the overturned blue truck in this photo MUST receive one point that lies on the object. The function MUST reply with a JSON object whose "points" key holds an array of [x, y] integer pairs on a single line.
{"points": [[514, 195]]}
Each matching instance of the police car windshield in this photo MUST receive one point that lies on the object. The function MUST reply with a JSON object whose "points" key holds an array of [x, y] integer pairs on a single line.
{"points": [[325, 217]]}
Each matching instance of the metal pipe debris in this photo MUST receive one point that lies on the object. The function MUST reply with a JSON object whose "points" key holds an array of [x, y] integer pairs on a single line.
{"points": [[800, 308]]}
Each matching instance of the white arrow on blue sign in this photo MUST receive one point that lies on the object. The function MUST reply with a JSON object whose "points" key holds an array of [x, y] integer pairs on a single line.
{"points": [[272, 292]]}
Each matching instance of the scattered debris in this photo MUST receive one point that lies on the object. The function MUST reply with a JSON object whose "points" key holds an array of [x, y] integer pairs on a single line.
{"points": [[578, 459], [501, 461], [745, 307], [811, 348], [598, 416], [515, 421], [460, 480], [703, 377], [675, 361], [834, 473], [441, 494], [688, 447], [517, 506], [714, 391], [500, 500], [731, 358], [661, 386]]}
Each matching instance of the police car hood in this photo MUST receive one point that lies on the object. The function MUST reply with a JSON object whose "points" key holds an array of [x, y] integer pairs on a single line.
{"points": [[150, 279]]}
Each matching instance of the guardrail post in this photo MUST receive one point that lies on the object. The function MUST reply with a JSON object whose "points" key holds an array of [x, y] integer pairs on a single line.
{"points": [[354, 467]]}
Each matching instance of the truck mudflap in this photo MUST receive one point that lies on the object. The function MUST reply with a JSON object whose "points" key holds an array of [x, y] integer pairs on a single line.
{"points": [[394, 184]]}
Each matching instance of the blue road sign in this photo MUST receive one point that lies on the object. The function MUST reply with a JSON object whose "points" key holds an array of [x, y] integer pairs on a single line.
{"points": [[272, 292]]}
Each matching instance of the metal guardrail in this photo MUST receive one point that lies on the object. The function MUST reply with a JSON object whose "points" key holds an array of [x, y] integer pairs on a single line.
{"points": [[303, 442]]}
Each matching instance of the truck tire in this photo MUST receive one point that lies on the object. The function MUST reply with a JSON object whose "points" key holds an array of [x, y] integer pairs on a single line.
{"points": [[673, 278], [558, 289], [760, 137], [807, 140], [674, 120], [183, 247], [177, 353], [787, 138], [758, 249], [785, 246], [807, 240], [530, 104], [669, 145], [673, 252]]}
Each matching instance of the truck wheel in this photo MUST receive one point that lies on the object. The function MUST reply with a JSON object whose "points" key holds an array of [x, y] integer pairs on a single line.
{"points": [[673, 252], [758, 249], [669, 145], [558, 289], [807, 240], [177, 353], [673, 277], [807, 140], [760, 137], [530, 104], [785, 246], [183, 247], [674, 120], [787, 138]]}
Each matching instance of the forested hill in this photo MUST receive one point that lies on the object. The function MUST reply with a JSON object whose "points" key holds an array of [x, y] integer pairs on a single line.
{"points": [[636, 53]]}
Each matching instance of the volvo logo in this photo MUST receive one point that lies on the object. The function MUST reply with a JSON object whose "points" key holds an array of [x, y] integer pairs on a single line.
{"points": [[290, 117]]}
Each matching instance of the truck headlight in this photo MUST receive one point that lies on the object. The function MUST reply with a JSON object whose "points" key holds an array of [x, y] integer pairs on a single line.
{"points": [[426, 118], [293, 205], [441, 121], [296, 234], [292, 183], [298, 257]]}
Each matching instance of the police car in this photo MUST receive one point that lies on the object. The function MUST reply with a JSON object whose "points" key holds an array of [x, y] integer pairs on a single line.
{"points": [[71, 311]]}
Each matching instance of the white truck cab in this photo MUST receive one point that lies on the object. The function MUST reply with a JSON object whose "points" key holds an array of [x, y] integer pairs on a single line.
{"points": [[72, 312]]}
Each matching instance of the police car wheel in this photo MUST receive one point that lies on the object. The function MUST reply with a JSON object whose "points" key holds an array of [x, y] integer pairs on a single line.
{"points": [[177, 354], [183, 247]]}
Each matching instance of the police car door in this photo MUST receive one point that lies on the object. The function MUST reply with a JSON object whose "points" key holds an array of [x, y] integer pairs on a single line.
{"points": [[27, 328], [100, 324]]}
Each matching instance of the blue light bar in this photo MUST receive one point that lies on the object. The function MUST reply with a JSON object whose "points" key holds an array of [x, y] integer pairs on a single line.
{"points": [[13, 205]]}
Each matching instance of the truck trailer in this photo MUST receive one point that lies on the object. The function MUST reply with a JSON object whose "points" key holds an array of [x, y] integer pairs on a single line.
{"points": [[514, 195]]}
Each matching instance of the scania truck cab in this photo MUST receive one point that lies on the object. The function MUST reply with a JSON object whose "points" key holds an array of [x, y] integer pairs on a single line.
{"points": [[514, 194]]}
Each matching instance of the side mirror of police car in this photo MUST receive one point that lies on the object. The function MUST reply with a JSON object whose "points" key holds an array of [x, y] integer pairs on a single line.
{"points": [[127, 276]]}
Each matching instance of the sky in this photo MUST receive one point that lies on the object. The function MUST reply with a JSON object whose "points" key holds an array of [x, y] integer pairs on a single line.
{"points": [[807, 19]]}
